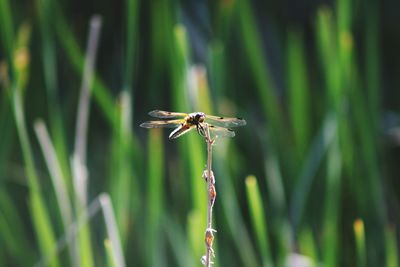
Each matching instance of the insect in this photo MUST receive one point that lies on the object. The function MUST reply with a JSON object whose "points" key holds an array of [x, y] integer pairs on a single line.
{"points": [[185, 122]]}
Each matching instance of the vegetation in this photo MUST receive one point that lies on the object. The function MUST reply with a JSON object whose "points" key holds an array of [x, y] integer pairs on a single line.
{"points": [[309, 180]]}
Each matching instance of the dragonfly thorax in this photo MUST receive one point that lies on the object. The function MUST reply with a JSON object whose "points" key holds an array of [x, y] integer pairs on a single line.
{"points": [[196, 118]]}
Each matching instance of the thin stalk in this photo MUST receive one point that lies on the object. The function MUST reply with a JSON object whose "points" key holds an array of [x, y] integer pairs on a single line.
{"points": [[54, 166], [79, 165], [117, 255], [84, 99], [211, 194]]}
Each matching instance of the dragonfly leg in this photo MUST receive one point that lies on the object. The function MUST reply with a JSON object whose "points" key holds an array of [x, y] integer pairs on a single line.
{"points": [[200, 130]]}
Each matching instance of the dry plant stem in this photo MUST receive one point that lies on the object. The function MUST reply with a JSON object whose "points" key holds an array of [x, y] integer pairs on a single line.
{"points": [[211, 194], [82, 120]]}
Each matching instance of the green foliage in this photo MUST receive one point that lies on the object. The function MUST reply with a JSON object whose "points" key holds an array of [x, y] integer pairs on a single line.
{"points": [[313, 109]]}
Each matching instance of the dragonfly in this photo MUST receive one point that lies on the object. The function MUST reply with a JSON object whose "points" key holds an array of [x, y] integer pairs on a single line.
{"points": [[185, 122]]}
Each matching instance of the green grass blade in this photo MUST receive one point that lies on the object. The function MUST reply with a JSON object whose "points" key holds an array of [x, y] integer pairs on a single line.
{"points": [[280, 226], [50, 72], [12, 231], [132, 20], [308, 245], [359, 233], [123, 182], [48, 52], [373, 61], [178, 243], [332, 213], [266, 88], [229, 202], [41, 219], [7, 34], [194, 155], [43, 229], [236, 225], [312, 162], [262, 75], [217, 70], [327, 45], [109, 254], [392, 247], [258, 218], [195, 232], [298, 87], [155, 196], [345, 39], [274, 181], [7, 132]]}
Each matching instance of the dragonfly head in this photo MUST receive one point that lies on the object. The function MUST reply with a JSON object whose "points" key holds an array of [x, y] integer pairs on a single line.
{"points": [[198, 117]]}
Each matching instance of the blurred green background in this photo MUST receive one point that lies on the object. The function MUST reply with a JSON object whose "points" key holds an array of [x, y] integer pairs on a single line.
{"points": [[312, 180]]}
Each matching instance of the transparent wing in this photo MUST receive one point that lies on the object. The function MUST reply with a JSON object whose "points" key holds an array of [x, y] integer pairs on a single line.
{"points": [[166, 114], [159, 124], [181, 130], [225, 122], [220, 131]]}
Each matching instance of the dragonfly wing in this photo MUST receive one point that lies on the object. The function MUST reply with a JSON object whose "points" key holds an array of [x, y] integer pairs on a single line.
{"points": [[225, 122], [182, 129], [166, 114], [159, 124], [220, 131]]}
